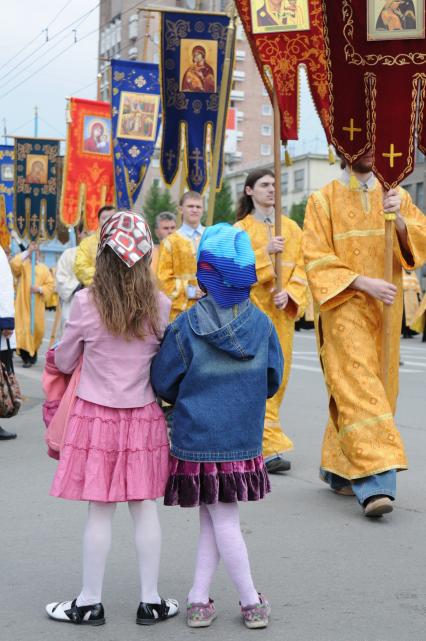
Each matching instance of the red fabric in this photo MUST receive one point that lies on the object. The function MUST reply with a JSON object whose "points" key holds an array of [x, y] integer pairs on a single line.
{"points": [[374, 83], [283, 53], [88, 181]]}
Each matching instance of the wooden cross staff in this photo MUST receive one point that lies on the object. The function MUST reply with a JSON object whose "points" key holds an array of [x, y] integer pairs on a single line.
{"points": [[277, 172]]}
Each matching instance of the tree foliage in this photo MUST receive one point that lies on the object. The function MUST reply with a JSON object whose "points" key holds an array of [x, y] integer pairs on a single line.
{"points": [[224, 211], [297, 212], [156, 201]]}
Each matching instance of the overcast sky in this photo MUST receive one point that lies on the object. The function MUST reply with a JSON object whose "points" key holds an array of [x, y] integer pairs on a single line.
{"points": [[46, 73]]}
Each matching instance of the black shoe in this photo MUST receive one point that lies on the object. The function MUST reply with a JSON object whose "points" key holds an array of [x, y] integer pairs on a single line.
{"points": [[150, 613], [27, 364], [6, 436], [277, 464], [70, 612]]}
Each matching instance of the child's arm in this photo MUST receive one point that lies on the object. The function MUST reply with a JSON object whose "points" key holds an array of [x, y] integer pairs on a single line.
{"points": [[71, 346], [169, 366], [275, 362]]}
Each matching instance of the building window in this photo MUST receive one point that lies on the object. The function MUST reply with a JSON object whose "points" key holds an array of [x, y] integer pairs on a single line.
{"points": [[264, 91], [240, 188], [266, 130], [420, 195], [265, 150], [266, 109], [284, 183], [420, 158], [299, 179]]}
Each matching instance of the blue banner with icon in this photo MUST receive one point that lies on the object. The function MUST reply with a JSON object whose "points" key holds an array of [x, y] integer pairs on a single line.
{"points": [[6, 193], [136, 116], [192, 57], [36, 188]]}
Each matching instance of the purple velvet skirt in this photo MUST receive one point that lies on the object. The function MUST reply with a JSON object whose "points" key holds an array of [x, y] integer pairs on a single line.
{"points": [[191, 483]]}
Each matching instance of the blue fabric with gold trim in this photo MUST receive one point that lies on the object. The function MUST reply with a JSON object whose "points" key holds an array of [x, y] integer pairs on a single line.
{"points": [[6, 181], [136, 115], [36, 188], [192, 56]]}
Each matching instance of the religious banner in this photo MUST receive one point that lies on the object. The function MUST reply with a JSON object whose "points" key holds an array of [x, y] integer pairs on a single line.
{"points": [[192, 57], [35, 187], [6, 194], [284, 34], [377, 54], [88, 181], [135, 125]]}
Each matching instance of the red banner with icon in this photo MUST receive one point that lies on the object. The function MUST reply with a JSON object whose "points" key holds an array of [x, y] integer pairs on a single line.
{"points": [[88, 180]]}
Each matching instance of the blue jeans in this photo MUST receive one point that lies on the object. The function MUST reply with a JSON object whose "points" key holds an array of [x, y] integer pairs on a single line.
{"points": [[384, 484]]}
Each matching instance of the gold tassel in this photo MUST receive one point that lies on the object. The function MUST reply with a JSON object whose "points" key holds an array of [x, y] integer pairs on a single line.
{"points": [[353, 182], [288, 160], [331, 155]]}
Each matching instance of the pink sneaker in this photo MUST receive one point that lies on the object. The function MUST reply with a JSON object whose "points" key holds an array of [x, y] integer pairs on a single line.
{"points": [[200, 615], [256, 616]]}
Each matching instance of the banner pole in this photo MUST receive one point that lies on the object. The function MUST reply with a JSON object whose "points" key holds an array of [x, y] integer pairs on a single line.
{"points": [[277, 172], [221, 114], [387, 309]]}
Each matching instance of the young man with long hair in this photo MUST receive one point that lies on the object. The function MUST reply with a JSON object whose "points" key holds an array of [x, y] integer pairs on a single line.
{"points": [[255, 214]]}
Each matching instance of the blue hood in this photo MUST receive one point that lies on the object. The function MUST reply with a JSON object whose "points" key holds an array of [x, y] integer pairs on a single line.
{"points": [[229, 330]]}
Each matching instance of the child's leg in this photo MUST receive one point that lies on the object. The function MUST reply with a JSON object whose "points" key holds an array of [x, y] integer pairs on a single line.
{"points": [[96, 545], [207, 560], [232, 549], [147, 532]]}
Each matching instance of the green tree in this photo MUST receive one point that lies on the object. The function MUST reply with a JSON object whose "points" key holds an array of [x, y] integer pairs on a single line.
{"points": [[156, 201], [297, 212], [224, 211]]}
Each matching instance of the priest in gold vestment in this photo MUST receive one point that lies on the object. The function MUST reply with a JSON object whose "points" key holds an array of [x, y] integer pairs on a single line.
{"points": [[255, 215], [177, 262], [343, 244]]}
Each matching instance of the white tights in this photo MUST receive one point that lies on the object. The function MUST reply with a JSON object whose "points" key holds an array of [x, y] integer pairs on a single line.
{"points": [[97, 543], [221, 538]]}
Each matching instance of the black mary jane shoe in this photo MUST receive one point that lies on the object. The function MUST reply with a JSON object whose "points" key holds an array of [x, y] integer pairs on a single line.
{"points": [[151, 613], [70, 612]]}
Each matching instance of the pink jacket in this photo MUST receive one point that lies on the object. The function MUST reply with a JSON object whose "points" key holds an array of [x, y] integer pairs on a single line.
{"points": [[115, 372]]}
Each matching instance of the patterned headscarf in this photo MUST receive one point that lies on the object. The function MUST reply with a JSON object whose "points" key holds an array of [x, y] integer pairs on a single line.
{"points": [[128, 235], [226, 264]]}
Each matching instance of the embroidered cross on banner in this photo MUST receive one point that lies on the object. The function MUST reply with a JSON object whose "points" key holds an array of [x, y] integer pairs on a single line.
{"points": [[392, 155], [352, 129]]}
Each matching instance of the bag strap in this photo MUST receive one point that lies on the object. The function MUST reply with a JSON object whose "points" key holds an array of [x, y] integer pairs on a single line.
{"points": [[10, 354]]}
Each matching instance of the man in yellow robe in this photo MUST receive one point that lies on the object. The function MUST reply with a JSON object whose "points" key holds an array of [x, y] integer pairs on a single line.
{"points": [[343, 244], [43, 288], [177, 263], [255, 215], [165, 224], [412, 294], [418, 323], [85, 260]]}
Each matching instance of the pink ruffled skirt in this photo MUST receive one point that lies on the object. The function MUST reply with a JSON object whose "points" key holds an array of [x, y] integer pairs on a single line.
{"points": [[113, 454]]}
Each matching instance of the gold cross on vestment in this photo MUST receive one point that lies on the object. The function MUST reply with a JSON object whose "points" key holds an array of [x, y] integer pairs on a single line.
{"points": [[352, 129], [392, 155]]}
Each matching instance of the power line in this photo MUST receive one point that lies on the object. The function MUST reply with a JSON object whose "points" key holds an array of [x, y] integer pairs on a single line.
{"points": [[21, 50], [52, 126], [78, 20], [59, 13], [49, 62], [74, 93]]}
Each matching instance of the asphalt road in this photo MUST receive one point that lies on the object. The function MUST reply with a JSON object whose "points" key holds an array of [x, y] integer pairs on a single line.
{"points": [[330, 574]]}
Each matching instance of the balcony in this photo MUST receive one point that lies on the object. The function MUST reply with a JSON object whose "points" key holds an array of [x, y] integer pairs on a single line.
{"points": [[237, 95], [239, 75], [240, 55]]}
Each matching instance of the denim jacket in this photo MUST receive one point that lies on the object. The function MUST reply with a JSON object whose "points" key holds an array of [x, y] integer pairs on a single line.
{"points": [[218, 368]]}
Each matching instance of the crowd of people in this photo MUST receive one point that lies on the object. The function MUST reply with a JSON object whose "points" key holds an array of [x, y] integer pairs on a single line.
{"points": [[195, 324]]}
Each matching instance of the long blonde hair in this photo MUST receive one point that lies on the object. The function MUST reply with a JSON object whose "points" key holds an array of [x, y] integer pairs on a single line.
{"points": [[125, 297]]}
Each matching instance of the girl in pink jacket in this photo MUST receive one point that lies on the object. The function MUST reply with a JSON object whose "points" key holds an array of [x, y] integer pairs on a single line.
{"points": [[115, 446]]}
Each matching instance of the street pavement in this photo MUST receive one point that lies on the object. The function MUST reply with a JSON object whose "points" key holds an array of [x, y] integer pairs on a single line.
{"points": [[330, 574]]}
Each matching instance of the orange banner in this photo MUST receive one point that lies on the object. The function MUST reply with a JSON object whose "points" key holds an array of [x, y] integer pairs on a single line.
{"points": [[4, 232], [88, 181]]}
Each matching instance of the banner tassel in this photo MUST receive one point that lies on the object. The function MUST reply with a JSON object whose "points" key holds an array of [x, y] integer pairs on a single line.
{"points": [[331, 155], [288, 160], [353, 182]]}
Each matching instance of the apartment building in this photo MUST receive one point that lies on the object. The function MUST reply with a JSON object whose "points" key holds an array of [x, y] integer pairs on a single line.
{"points": [[128, 32], [415, 184]]}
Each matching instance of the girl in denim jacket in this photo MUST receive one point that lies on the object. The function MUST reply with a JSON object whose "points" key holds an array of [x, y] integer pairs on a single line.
{"points": [[217, 365]]}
